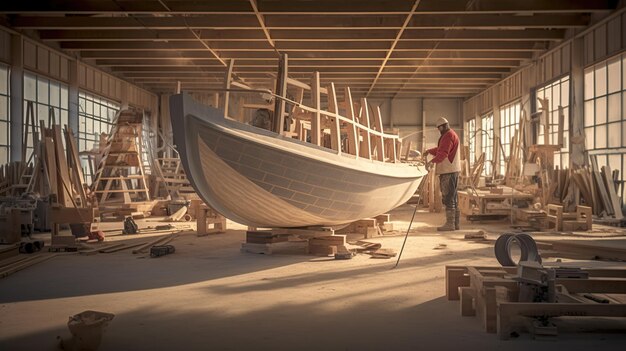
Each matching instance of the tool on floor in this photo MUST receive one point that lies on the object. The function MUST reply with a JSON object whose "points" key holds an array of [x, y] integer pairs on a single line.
{"points": [[130, 226], [161, 250], [406, 236]]}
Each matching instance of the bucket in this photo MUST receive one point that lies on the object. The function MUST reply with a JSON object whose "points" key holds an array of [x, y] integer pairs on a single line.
{"points": [[87, 329]]}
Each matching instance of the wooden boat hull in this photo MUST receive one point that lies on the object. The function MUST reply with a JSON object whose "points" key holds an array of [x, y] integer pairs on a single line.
{"points": [[259, 178]]}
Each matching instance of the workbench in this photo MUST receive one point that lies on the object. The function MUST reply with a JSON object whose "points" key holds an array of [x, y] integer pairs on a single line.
{"points": [[490, 201]]}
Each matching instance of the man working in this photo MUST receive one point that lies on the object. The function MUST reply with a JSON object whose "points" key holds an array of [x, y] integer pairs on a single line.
{"points": [[447, 166]]}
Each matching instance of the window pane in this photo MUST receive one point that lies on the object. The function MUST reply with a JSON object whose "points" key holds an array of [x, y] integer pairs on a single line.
{"points": [[614, 111], [42, 113], [600, 80], [55, 94], [615, 75], [589, 91], [615, 162], [624, 72], [614, 135], [601, 110], [30, 88], [556, 98], [42, 91], [64, 97], [4, 80], [4, 107], [4, 154], [4, 126], [601, 137], [589, 113], [565, 93]]}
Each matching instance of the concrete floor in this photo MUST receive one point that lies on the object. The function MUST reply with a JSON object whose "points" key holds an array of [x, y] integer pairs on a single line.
{"points": [[208, 295]]}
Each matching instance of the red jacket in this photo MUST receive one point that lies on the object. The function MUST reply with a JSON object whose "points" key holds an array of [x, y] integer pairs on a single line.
{"points": [[447, 146]]}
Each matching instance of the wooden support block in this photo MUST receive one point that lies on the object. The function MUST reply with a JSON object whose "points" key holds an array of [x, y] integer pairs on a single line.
{"points": [[265, 237], [257, 248], [383, 218], [467, 301], [322, 250], [205, 217], [455, 278]]}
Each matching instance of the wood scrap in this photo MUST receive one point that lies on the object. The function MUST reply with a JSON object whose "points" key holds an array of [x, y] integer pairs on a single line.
{"points": [[23, 264], [149, 244]]}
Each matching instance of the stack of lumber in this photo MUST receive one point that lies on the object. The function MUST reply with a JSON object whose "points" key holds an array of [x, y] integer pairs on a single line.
{"points": [[470, 176], [599, 190]]}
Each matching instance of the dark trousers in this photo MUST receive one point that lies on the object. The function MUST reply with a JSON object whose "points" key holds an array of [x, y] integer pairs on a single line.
{"points": [[448, 184]]}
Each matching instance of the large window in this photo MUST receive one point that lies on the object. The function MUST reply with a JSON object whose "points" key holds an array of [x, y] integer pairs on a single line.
{"points": [[470, 128], [509, 122], [557, 94], [5, 122], [487, 142], [95, 116], [605, 104], [45, 94]]}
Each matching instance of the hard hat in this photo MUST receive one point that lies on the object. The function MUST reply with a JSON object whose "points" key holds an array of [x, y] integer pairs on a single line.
{"points": [[441, 121]]}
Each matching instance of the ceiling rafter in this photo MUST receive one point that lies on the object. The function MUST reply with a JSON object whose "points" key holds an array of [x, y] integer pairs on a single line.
{"points": [[393, 45], [382, 48]]}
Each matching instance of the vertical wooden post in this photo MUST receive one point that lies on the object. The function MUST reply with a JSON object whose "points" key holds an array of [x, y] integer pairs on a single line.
{"points": [[293, 115], [335, 130], [315, 101], [281, 90], [229, 74], [561, 123], [380, 142], [353, 139], [366, 146]]}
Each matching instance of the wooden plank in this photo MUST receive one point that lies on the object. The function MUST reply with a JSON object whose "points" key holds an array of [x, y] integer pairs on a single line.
{"points": [[335, 130], [380, 142], [149, 244], [352, 130], [227, 82], [65, 184], [615, 201], [508, 312], [281, 90], [315, 102], [51, 165], [77, 170], [25, 264], [364, 119], [599, 185], [561, 132]]}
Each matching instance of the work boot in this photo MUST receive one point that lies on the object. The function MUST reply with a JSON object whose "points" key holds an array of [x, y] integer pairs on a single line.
{"points": [[449, 225], [457, 219]]}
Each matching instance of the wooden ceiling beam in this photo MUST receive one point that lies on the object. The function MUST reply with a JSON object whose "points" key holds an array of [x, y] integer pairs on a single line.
{"points": [[310, 7]]}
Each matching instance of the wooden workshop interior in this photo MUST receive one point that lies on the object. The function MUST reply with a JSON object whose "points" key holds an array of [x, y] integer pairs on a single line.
{"points": [[244, 174]]}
